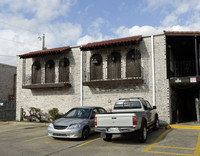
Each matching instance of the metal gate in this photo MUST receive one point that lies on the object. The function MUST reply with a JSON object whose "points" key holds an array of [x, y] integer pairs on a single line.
{"points": [[7, 110]]}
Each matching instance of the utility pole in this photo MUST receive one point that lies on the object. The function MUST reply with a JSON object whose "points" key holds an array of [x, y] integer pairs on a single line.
{"points": [[43, 42]]}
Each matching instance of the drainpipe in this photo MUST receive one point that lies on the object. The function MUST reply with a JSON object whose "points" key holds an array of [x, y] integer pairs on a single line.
{"points": [[81, 79], [153, 71]]}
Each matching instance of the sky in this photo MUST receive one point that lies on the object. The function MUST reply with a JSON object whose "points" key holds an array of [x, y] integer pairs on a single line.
{"points": [[77, 22]]}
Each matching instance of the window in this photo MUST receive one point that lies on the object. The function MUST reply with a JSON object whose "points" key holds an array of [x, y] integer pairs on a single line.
{"points": [[36, 72], [145, 105], [64, 70], [101, 110], [50, 72], [133, 63], [114, 65], [96, 68], [127, 105]]}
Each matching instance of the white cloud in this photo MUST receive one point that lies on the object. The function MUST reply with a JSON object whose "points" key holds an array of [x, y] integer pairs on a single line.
{"points": [[20, 22], [147, 30], [170, 20]]}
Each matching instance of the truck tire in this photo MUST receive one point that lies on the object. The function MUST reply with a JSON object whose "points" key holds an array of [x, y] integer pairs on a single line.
{"points": [[143, 133], [156, 124], [108, 137]]}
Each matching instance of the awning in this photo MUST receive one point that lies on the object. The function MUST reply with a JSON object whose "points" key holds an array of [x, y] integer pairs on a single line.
{"points": [[45, 52], [112, 43]]}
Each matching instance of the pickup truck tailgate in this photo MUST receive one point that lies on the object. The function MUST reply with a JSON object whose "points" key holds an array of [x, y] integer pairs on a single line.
{"points": [[114, 120]]}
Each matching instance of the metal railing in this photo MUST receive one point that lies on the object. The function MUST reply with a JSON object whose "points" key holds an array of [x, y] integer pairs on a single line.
{"points": [[184, 68], [28, 80], [87, 76]]}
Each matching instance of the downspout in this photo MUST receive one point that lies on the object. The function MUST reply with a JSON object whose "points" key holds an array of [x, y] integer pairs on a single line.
{"points": [[81, 79], [153, 71]]}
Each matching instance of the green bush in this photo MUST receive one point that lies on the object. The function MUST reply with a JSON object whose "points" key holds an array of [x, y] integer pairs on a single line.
{"points": [[54, 113]]}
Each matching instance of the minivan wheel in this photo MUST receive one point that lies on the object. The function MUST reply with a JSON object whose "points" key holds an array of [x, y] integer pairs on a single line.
{"points": [[108, 137], [143, 133], [85, 134]]}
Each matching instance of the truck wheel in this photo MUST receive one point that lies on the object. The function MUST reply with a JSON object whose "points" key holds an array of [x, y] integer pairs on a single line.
{"points": [[143, 133], [108, 137], [156, 124]]}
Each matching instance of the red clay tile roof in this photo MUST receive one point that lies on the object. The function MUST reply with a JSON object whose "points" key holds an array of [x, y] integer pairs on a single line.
{"points": [[182, 32], [111, 43], [45, 52]]}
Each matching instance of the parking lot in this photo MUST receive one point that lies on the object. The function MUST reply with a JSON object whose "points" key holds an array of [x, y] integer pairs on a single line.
{"points": [[31, 139]]}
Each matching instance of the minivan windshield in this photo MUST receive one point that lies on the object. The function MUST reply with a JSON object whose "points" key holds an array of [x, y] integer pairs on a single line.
{"points": [[127, 105], [78, 113]]}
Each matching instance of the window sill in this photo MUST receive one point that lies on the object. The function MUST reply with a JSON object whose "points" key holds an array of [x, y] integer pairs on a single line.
{"points": [[135, 81], [47, 85]]}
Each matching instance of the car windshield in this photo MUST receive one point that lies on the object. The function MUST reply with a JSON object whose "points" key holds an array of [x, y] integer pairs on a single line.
{"points": [[127, 105], [78, 113]]}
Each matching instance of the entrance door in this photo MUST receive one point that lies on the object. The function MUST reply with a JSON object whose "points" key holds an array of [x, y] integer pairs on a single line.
{"points": [[183, 103]]}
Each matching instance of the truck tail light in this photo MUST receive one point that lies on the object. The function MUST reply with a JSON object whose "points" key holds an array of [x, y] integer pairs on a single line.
{"points": [[95, 121], [134, 120]]}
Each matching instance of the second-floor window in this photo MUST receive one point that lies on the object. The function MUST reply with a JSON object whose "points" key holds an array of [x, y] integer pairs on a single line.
{"points": [[50, 72], [64, 70], [36, 72], [114, 65], [133, 63], [96, 69]]}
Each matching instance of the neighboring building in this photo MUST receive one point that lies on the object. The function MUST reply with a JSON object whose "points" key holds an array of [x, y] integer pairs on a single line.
{"points": [[7, 82], [7, 92], [161, 68]]}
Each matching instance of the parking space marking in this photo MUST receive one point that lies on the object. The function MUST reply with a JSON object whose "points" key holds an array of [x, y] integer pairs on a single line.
{"points": [[45, 136], [170, 153], [175, 147], [87, 142], [160, 137], [148, 149], [3, 123], [197, 150]]}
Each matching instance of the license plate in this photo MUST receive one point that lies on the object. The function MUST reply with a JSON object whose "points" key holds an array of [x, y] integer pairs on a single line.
{"points": [[113, 130]]}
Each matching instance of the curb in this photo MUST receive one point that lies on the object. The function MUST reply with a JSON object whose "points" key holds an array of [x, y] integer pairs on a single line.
{"points": [[182, 127], [26, 123]]}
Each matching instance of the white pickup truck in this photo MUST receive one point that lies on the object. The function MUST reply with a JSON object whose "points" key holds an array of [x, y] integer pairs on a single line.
{"points": [[128, 115]]}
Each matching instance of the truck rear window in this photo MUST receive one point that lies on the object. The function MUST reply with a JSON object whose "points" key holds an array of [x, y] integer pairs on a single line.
{"points": [[127, 105]]}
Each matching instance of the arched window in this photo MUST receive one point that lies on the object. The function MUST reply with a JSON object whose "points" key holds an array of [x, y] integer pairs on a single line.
{"points": [[114, 65], [96, 70], [64, 70], [49, 71], [36, 72], [133, 63]]}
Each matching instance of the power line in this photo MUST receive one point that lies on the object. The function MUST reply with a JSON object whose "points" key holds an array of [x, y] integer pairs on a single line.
{"points": [[20, 27], [7, 56], [17, 41]]}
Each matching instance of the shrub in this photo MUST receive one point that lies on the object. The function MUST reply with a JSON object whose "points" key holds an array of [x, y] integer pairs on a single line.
{"points": [[54, 113]]}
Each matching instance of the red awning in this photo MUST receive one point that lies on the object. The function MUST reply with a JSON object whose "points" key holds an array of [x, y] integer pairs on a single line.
{"points": [[111, 43], [45, 52]]}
